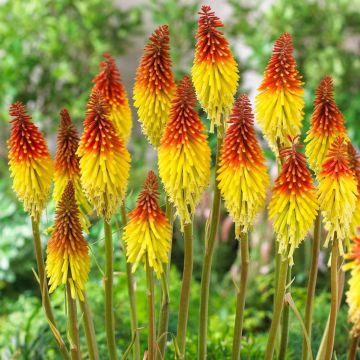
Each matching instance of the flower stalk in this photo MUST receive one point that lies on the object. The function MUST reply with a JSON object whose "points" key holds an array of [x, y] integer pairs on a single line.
{"points": [[73, 329], [109, 307], [311, 286], [241, 294], [151, 311], [353, 348], [185, 289]]}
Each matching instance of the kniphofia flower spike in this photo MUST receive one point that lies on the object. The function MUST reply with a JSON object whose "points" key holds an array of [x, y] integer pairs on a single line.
{"points": [[30, 163], [66, 166], [214, 73], [113, 91], [327, 123], [148, 231], [280, 102], [154, 85], [104, 160], [184, 153], [354, 163], [293, 205], [68, 258], [337, 192], [353, 294], [242, 174]]}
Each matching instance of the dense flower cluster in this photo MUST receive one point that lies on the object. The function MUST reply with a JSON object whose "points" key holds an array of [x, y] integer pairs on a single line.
{"points": [[242, 174], [154, 85], [327, 123], [68, 258], [184, 154], [104, 160], [354, 164], [337, 193], [293, 204], [30, 163], [148, 232], [112, 90], [214, 73], [280, 102], [66, 166]]}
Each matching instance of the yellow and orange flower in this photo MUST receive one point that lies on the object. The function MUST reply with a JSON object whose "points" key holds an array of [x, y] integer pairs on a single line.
{"points": [[30, 163], [280, 102], [337, 193], [104, 159], [215, 72], [184, 153], [68, 258], [293, 205], [148, 232], [353, 294], [113, 91], [327, 123], [354, 163], [66, 166], [242, 174], [154, 85]]}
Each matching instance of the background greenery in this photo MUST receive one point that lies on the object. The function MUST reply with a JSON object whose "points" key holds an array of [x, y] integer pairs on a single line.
{"points": [[49, 52]]}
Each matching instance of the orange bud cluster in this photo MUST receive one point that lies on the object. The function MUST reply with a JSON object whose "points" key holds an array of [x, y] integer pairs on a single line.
{"points": [[111, 88], [66, 166], [154, 85], [280, 103], [68, 258], [30, 162], [148, 232], [104, 160], [327, 122], [354, 164]]}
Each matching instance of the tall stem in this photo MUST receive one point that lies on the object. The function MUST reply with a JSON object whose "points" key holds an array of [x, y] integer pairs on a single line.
{"points": [[73, 329], [208, 256], [44, 291], [334, 300], [185, 289], [131, 293], [241, 294], [89, 329], [165, 297], [109, 311], [151, 311], [285, 324], [279, 302], [311, 286], [353, 348]]}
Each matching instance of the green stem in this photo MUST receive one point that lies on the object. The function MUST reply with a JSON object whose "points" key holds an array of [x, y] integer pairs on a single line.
{"points": [[45, 291], [165, 297], [285, 324], [311, 286], [208, 256], [89, 329], [73, 329], [334, 300], [185, 289], [241, 294], [151, 311], [279, 302], [353, 348], [109, 310], [131, 293]]}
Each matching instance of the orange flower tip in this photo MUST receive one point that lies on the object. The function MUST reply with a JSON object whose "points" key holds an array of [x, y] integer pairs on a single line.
{"points": [[337, 160], [97, 105], [30, 162], [67, 251]]}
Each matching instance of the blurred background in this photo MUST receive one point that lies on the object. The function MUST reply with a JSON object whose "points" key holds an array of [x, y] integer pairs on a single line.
{"points": [[49, 53]]}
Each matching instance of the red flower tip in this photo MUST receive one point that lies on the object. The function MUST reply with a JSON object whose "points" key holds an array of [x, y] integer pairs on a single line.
{"points": [[242, 112], [68, 197], [337, 159], [151, 185], [185, 93], [109, 72], [97, 105], [354, 160], [208, 20], [65, 120], [283, 47], [18, 112], [325, 90]]}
